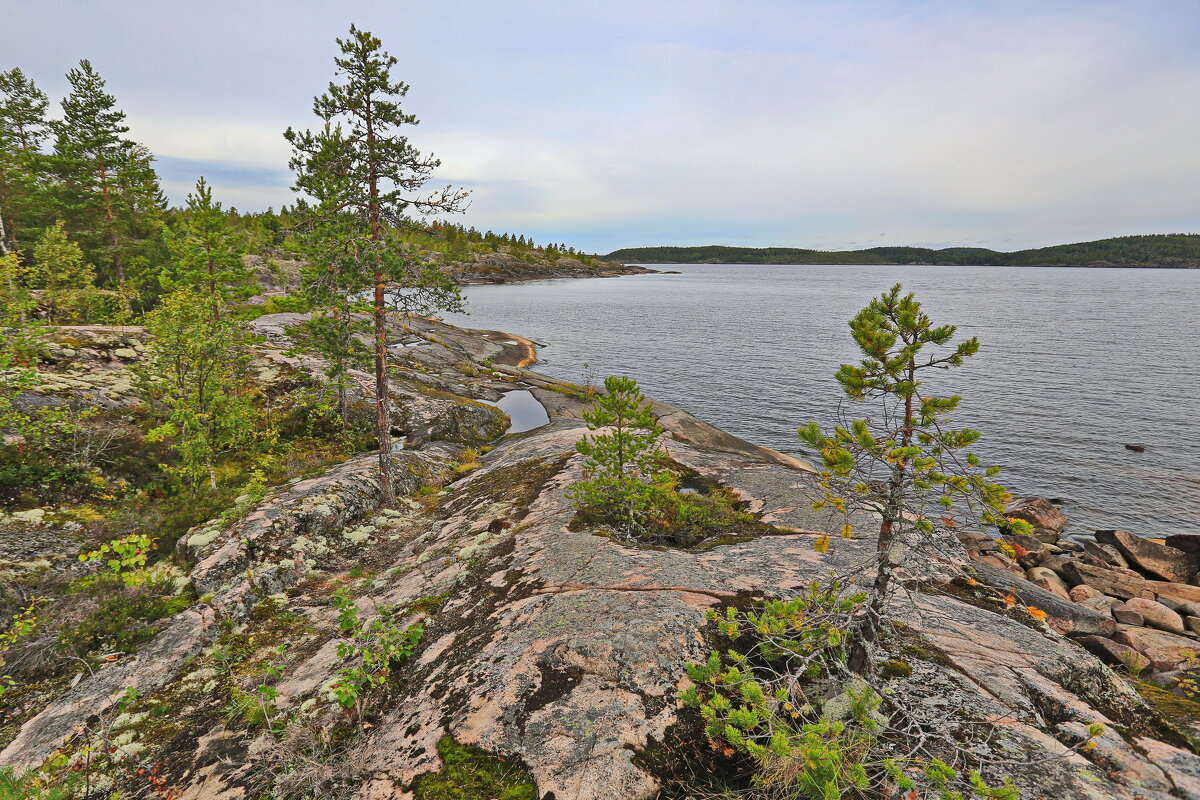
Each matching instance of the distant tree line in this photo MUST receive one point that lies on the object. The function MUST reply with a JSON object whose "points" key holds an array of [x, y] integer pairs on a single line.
{"points": [[1159, 250], [76, 181]]}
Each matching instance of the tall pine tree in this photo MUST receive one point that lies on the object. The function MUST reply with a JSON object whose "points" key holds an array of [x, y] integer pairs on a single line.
{"points": [[108, 185], [23, 131], [362, 170]]}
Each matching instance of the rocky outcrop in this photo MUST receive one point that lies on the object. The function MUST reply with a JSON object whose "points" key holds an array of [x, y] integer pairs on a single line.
{"points": [[1152, 558], [562, 647], [504, 267]]}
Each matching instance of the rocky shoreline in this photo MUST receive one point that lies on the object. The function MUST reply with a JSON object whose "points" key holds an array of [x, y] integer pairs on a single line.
{"points": [[1149, 589], [562, 649]]}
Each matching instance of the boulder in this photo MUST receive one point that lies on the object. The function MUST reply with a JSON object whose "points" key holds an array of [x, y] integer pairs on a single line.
{"points": [[1192, 624], [1084, 592], [1102, 604], [1166, 651], [1062, 616], [1048, 580], [1055, 563], [1187, 542], [1047, 521], [1156, 615], [1106, 553], [1127, 616], [1157, 560], [1181, 593], [1108, 581], [1112, 652]]}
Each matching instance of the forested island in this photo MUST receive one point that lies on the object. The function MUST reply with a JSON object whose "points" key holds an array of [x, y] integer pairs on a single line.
{"points": [[1172, 251]]}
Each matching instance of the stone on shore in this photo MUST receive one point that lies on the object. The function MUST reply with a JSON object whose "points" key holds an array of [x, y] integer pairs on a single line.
{"points": [[1108, 581], [1159, 560], [1048, 580], [1167, 651], [1047, 521], [1112, 652], [1156, 615]]}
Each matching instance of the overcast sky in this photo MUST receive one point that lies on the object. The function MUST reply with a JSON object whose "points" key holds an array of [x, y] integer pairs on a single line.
{"points": [[842, 123]]}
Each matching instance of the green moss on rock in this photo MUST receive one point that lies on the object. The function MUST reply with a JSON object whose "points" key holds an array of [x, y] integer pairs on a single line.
{"points": [[470, 773], [1180, 714]]}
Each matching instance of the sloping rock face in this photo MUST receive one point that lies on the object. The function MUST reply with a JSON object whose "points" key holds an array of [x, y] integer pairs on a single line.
{"points": [[565, 648], [562, 647]]}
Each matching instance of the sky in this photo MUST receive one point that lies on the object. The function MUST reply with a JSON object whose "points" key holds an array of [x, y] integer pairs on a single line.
{"points": [[809, 123]]}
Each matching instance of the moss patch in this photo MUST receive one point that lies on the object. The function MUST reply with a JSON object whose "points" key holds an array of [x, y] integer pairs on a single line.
{"points": [[1180, 714], [470, 773]]}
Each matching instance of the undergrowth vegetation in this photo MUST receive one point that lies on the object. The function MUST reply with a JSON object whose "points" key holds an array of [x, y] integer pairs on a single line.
{"points": [[786, 719]]}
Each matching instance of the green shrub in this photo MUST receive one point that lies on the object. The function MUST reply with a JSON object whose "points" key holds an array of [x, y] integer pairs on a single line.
{"points": [[623, 478], [34, 785], [122, 620], [374, 647], [753, 701]]}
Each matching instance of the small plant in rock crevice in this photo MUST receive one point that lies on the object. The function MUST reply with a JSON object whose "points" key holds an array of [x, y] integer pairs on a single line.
{"points": [[375, 647], [630, 483]]}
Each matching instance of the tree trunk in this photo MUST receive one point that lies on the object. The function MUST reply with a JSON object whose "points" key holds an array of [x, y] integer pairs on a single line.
{"points": [[110, 223], [3, 236], [860, 654], [383, 422]]}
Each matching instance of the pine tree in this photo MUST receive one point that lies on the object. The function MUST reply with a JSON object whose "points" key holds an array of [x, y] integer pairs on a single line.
{"points": [[622, 476], [195, 372], [206, 254], [23, 130], [109, 192], [361, 169], [904, 464]]}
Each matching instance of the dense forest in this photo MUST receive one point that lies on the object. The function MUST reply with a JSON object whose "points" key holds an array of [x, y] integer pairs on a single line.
{"points": [[1179, 250], [82, 211]]}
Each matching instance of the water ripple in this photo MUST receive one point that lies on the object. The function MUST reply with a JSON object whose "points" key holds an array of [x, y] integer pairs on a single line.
{"points": [[1075, 364]]}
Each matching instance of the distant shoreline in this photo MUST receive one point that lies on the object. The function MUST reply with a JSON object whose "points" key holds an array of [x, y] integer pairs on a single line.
{"points": [[894, 264], [1164, 251]]}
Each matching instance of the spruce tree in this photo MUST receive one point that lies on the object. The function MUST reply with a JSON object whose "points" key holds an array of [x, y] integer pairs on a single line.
{"points": [[903, 464], [207, 254], [23, 131], [365, 174]]}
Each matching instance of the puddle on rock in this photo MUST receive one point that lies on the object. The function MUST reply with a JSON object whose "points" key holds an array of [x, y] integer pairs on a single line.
{"points": [[524, 411]]}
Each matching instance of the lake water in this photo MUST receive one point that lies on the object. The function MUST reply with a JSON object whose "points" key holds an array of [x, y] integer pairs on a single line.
{"points": [[1075, 364]]}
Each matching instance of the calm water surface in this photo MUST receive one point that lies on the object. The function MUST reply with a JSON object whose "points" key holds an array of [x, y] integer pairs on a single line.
{"points": [[1075, 363]]}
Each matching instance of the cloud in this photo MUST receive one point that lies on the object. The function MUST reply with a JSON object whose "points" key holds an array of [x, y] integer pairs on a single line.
{"points": [[810, 124]]}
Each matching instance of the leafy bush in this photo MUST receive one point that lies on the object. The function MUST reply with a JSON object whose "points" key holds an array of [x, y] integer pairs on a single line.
{"points": [[377, 646]]}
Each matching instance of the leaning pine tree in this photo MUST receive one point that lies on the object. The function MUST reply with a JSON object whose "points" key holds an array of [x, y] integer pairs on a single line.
{"points": [[903, 464], [362, 172]]}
